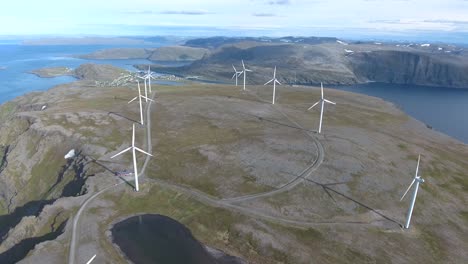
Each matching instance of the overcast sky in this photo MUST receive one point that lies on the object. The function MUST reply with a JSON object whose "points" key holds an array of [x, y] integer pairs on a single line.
{"points": [[265, 17]]}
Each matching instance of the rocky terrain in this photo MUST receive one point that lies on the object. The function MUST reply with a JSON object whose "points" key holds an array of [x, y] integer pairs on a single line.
{"points": [[53, 72], [306, 61], [169, 53], [248, 178]]}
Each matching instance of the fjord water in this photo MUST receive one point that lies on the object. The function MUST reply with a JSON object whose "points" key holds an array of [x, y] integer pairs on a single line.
{"points": [[162, 240], [16, 61], [444, 109]]}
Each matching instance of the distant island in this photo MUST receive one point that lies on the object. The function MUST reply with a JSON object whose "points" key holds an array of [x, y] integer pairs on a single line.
{"points": [[53, 72]]}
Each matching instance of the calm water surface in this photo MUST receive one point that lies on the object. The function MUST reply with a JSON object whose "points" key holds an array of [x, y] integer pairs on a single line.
{"points": [[17, 60], [445, 109], [159, 239]]}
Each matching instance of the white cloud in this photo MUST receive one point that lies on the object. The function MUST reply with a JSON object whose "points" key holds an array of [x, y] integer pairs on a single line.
{"points": [[402, 15]]}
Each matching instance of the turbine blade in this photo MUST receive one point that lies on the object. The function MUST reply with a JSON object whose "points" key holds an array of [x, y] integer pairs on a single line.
{"points": [[330, 102], [268, 82], [149, 99], [121, 152], [234, 68], [408, 189], [278, 82], [321, 88], [235, 74], [91, 259], [243, 65], [133, 99], [141, 77], [248, 70], [314, 105], [144, 152], [417, 167]]}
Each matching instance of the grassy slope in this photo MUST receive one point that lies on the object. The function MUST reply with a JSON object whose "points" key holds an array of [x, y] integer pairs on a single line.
{"points": [[357, 131]]}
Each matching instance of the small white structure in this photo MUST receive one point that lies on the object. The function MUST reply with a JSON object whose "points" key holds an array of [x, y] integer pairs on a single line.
{"points": [[70, 154], [236, 74], [141, 106], [91, 259], [43, 107], [342, 42], [417, 179], [321, 101], [348, 51], [425, 45], [244, 72], [133, 148], [275, 81]]}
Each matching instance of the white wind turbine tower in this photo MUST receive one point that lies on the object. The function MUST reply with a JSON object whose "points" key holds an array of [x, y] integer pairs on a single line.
{"points": [[275, 81], [244, 72], [417, 179], [91, 259], [141, 105], [236, 74], [322, 101], [148, 76], [133, 149]]}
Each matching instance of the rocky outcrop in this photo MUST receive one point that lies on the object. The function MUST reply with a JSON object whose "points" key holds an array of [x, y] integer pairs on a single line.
{"points": [[411, 68], [170, 53], [305, 64], [177, 53], [98, 72], [118, 54], [330, 63]]}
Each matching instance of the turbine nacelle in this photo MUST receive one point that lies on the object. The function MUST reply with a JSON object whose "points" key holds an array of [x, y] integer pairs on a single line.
{"points": [[133, 148], [236, 74], [141, 105], [322, 101], [417, 179], [244, 72], [274, 81]]}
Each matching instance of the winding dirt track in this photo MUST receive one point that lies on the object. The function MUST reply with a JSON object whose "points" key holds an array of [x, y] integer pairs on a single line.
{"points": [[228, 203]]}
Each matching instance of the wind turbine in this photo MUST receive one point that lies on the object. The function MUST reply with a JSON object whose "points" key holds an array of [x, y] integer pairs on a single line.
{"points": [[133, 149], [244, 72], [146, 89], [275, 81], [236, 74], [322, 101], [91, 259], [141, 106], [417, 179], [148, 76]]}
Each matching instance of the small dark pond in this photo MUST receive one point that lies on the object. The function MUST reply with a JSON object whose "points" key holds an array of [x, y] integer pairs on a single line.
{"points": [[162, 240]]}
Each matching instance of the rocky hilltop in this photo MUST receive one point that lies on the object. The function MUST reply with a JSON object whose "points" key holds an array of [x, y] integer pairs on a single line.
{"points": [[303, 61], [248, 178], [169, 53], [406, 67]]}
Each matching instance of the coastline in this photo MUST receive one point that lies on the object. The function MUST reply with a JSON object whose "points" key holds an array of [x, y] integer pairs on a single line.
{"points": [[52, 72]]}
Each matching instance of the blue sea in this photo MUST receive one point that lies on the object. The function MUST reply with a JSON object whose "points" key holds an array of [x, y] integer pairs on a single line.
{"points": [[16, 61], [444, 109]]}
